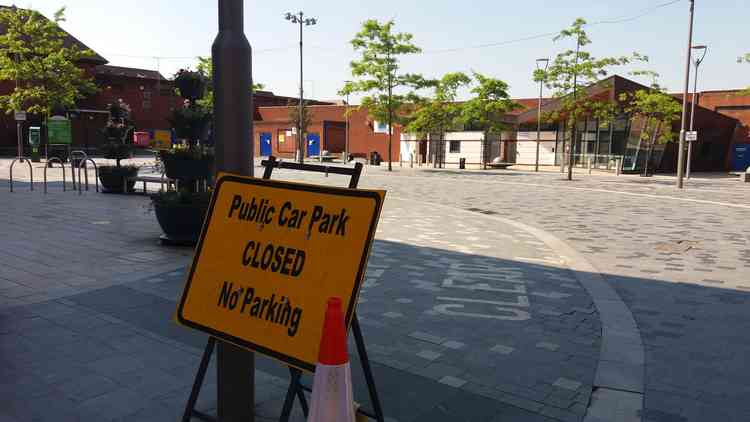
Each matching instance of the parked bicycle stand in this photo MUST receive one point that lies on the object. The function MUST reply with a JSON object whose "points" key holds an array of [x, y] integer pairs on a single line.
{"points": [[86, 175], [49, 164], [77, 154], [31, 171]]}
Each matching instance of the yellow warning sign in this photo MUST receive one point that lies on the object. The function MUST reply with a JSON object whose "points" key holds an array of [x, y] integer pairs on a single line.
{"points": [[270, 255]]}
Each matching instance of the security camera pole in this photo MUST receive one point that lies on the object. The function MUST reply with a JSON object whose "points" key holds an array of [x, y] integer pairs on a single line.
{"points": [[299, 18], [235, 367]]}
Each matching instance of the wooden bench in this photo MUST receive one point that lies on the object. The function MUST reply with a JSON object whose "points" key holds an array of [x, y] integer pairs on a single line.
{"points": [[162, 180]]}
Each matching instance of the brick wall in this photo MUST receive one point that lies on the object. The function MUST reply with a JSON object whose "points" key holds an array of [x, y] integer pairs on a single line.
{"points": [[329, 122]]}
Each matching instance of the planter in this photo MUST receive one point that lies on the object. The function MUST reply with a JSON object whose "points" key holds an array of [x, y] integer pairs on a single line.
{"points": [[181, 222], [184, 169], [113, 178]]}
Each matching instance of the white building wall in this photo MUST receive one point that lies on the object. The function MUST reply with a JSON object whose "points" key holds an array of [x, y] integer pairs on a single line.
{"points": [[470, 147], [526, 148]]}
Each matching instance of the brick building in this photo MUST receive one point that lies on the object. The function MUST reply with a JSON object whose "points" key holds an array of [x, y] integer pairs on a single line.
{"points": [[327, 131]]}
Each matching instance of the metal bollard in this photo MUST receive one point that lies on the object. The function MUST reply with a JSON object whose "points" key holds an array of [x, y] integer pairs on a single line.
{"points": [[617, 166]]}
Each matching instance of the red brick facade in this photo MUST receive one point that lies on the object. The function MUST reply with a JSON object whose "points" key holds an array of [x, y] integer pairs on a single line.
{"points": [[329, 121]]}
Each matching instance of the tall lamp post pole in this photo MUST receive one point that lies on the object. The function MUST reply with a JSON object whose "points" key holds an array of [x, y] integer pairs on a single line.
{"points": [[681, 147], [299, 18], [573, 139], [697, 61], [539, 109], [230, 53], [346, 142]]}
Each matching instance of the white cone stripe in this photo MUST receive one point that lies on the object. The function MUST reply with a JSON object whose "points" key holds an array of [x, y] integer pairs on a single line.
{"points": [[331, 399]]}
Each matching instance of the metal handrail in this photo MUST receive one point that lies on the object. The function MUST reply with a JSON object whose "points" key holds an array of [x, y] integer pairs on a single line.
{"points": [[84, 156], [86, 175], [31, 171], [49, 164]]}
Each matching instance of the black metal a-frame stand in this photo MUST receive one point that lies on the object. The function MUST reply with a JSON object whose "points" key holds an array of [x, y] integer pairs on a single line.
{"points": [[296, 388]]}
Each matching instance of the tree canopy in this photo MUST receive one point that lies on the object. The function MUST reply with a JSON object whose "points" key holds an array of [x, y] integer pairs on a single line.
{"points": [[205, 67], [656, 109], [569, 75], [377, 74], [491, 101], [33, 54]]}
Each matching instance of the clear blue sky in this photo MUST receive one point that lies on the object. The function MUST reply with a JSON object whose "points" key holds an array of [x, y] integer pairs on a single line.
{"points": [[171, 28]]}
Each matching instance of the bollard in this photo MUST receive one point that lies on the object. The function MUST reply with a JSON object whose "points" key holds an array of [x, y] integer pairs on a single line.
{"points": [[591, 164], [617, 166]]}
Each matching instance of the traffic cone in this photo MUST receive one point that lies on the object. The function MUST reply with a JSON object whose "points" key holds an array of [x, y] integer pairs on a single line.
{"points": [[332, 385]]}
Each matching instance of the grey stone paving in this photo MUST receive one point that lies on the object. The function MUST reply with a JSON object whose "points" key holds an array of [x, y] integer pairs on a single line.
{"points": [[675, 257]]}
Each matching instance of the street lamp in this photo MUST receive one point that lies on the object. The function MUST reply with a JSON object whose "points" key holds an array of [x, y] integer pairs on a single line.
{"points": [[681, 148], [697, 62], [300, 19], [539, 110], [346, 142]]}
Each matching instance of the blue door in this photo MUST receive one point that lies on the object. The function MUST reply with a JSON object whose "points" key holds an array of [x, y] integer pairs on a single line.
{"points": [[741, 157], [265, 144], [313, 144]]}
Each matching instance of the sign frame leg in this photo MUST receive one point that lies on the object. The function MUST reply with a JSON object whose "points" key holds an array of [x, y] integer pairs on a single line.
{"points": [[296, 388]]}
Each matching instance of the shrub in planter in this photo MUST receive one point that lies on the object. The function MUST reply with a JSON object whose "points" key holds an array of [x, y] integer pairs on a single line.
{"points": [[113, 178], [117, 146], [191, 85], [181, 215], [187, 164]]}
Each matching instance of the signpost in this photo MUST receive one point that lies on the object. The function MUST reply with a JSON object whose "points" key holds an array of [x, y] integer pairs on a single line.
{"points": [[269, 257], [20, 116]]}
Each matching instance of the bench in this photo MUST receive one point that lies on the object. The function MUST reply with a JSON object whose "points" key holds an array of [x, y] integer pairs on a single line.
{"points": [[501, 166], [152, 179]]}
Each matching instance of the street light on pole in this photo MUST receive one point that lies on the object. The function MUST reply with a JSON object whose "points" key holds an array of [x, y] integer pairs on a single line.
{"points": [[539, 111], [697, 62], [300, 19], [346, 142], [681, 148]]}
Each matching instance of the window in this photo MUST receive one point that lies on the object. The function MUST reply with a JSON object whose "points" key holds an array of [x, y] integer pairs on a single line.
{"points": [[455, 147], [379, 127]]}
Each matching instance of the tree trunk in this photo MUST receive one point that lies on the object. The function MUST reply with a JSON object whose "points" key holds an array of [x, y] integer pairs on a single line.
{"points": [[571, 154]]}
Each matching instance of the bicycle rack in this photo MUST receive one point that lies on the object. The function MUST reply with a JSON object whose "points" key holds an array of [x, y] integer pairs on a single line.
{"points": [[71, 157], [86, 175], [31, 171], [49, 164]]}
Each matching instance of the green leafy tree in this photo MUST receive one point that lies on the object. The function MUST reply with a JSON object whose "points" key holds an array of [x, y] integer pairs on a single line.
{"points": [[744, 59], [45, 71], [569, 75], [439, 113], [377, 75], [487, 108], [205, 67], [300, 124], [656, 110]]}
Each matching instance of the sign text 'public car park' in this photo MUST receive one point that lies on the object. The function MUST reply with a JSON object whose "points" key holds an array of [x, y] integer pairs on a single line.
{"points": [[270, 255]]}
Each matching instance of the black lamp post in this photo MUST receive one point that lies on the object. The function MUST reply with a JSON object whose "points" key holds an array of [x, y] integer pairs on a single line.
{"points": [[539, 109], [697, 61], [230, 53], [300, 19]]}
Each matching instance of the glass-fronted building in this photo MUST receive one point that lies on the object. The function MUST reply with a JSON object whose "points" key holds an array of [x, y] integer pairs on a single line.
{"points": [[604, 143]]}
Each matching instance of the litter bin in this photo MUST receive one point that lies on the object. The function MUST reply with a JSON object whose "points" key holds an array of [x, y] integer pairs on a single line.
{"points": [[462, 163], [375, 158]]}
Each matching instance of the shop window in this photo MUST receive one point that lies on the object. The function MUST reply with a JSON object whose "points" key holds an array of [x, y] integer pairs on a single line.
{"points": [[454, 147]]}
